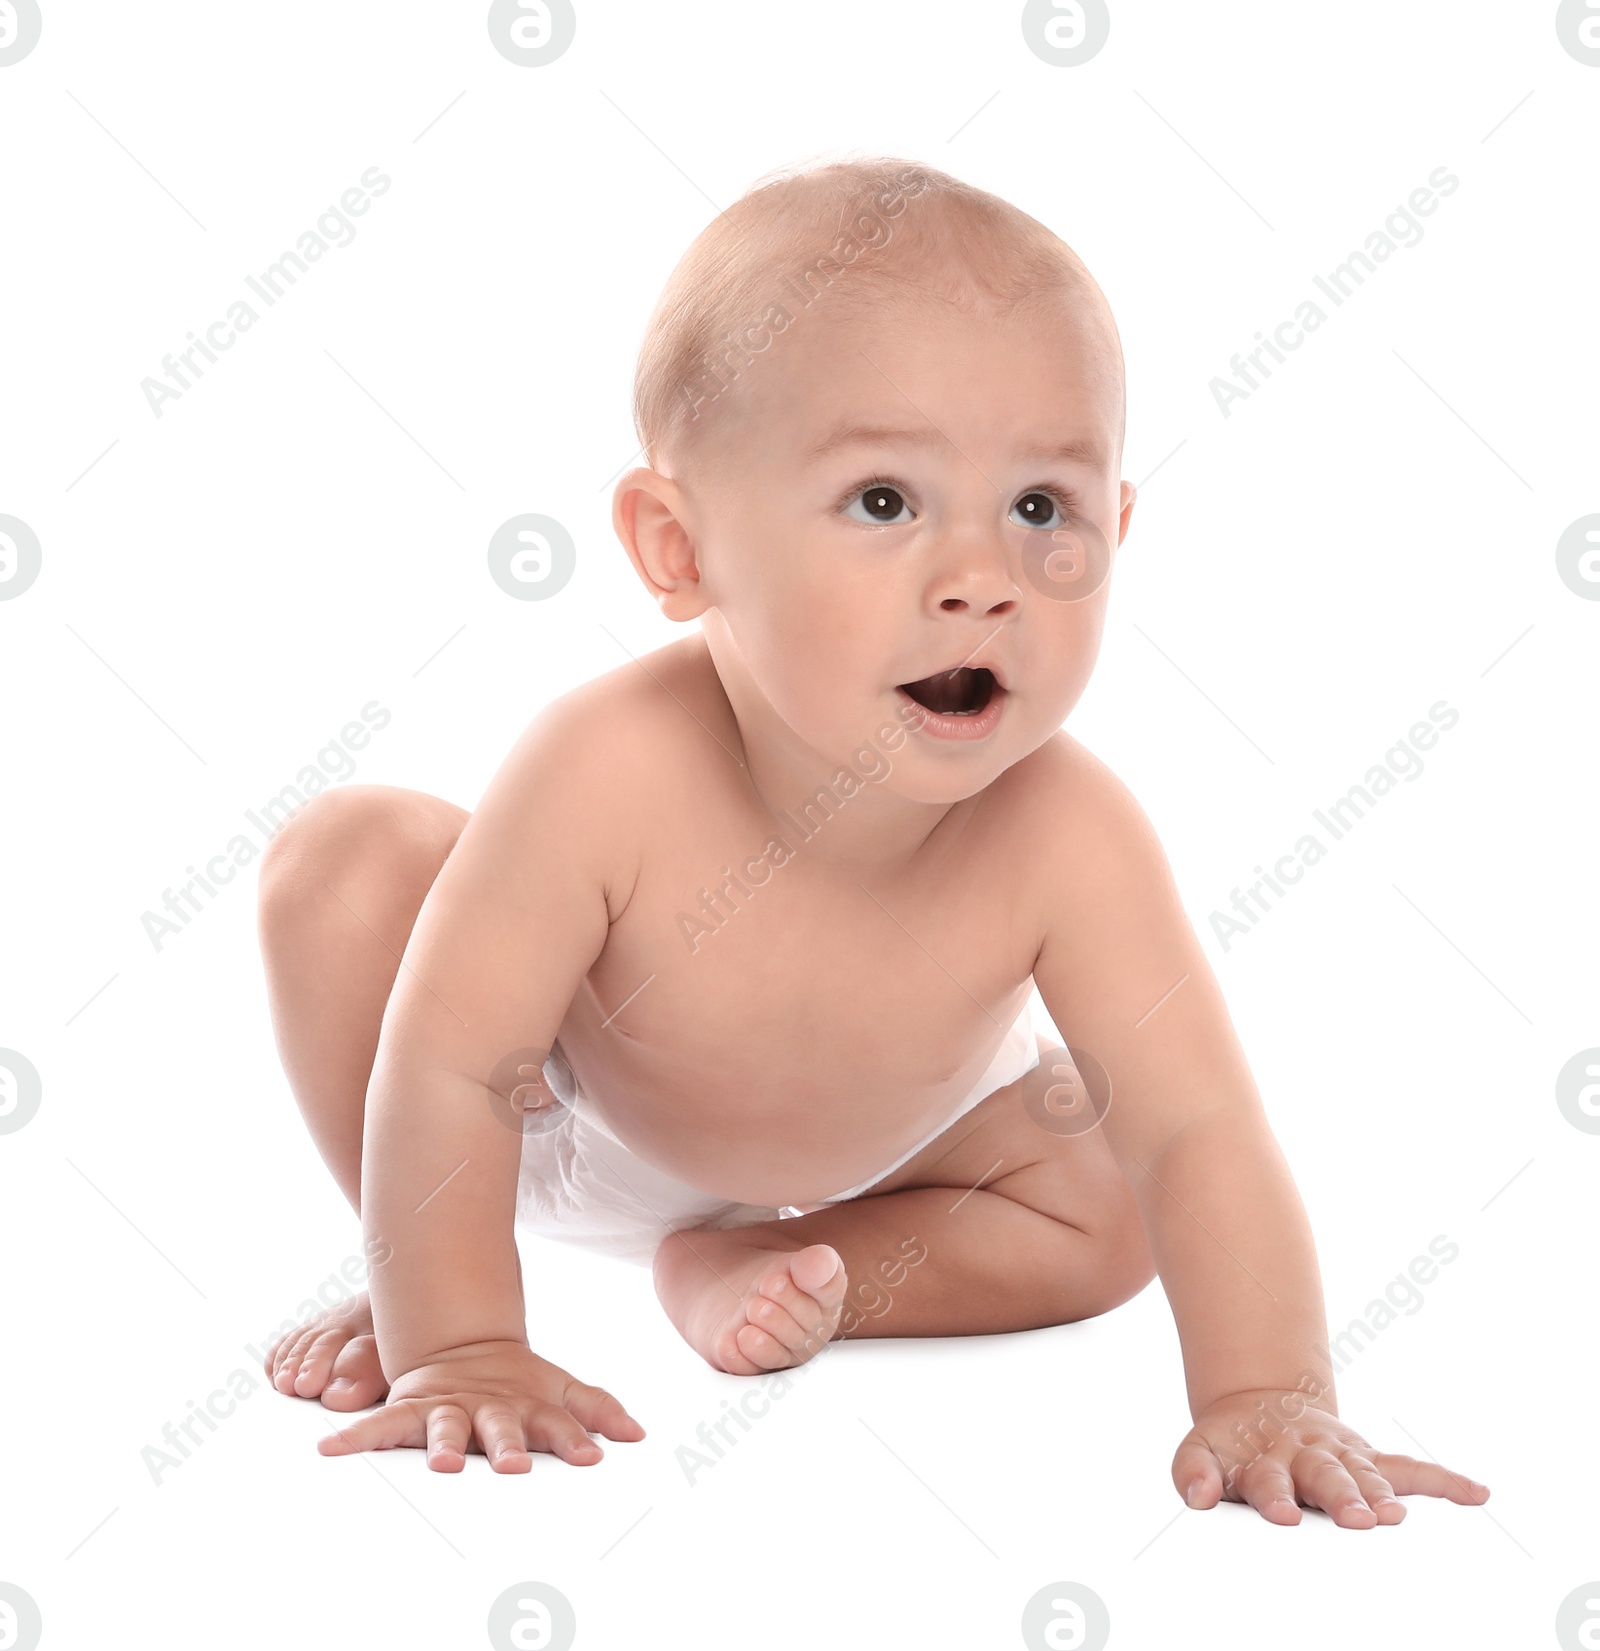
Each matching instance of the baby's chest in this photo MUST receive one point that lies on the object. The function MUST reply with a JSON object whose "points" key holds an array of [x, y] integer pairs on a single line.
{"points": [[769, 957]]}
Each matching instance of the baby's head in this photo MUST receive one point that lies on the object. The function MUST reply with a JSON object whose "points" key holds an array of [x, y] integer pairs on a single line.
{"points": [[882, 413]]}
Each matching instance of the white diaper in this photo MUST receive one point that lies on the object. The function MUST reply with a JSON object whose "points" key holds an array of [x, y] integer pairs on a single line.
{"points": [[579, 1184]]}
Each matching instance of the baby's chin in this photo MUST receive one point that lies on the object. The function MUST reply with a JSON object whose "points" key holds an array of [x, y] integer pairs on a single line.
{"points": [[870, 749], [944, 790], [941, 776]]}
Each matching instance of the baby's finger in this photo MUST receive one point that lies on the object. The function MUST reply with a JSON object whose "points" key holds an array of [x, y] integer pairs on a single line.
{"points": [[1374, 1487], [386, 1429], [552, 1428], [499, 1430], [1197, 1473], [1324, 1482], [1268, 1487], [1413, 1478], [603, 1412], [449, 1434]]}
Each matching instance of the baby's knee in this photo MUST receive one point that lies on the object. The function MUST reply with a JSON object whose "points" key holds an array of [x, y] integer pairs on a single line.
{"points": [[1125, 1264], [354, 837], [332, 828]]}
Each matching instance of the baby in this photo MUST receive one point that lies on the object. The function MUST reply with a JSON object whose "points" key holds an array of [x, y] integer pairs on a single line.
{"points": [[757, 917]]}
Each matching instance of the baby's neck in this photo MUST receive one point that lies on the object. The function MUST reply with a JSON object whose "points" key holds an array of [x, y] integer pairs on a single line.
{"points": [[837, 813]]}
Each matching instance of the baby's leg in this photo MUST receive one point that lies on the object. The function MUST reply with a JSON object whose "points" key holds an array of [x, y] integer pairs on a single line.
{"points": [[998, 1224], [340, 888]]}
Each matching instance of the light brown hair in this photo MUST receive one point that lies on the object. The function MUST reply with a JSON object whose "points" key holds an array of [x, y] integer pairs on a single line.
{"points": [[824, 235]]}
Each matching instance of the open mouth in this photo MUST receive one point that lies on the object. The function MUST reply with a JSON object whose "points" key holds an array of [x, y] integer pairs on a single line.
{"points": [[963, 692]]}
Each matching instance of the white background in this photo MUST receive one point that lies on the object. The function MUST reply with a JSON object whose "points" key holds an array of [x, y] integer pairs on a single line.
{"points": [[224, 587]]}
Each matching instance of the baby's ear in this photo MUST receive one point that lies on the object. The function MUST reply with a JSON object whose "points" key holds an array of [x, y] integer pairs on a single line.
{"points": [[1129, 494], [647, 511]]}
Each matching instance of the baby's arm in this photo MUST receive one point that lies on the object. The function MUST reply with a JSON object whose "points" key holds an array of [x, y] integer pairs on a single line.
{"points": [[514, 921], [1125, 980]]}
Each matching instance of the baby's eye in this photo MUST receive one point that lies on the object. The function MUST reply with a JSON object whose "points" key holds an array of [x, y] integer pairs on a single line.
{"points": [[879, 504], [1037, 510]]}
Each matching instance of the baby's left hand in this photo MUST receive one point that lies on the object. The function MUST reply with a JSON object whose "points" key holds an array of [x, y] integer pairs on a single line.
{"points": [[1310, 1456]]}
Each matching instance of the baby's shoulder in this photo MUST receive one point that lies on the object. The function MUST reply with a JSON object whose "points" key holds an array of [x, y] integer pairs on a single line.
{"points": [[1064, 784], [627, 732], [590, 770], [633, 704], [1072, 822]]}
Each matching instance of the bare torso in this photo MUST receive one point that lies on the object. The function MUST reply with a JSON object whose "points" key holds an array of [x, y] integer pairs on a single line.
{"points": [[830, 1021]]}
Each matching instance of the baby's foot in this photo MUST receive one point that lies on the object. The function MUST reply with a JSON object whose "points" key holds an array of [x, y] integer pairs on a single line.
{"points": [[333, 1356], [745, 1306]]}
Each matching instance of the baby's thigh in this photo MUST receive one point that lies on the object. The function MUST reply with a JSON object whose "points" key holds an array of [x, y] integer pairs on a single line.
{"points": [[1037, 1141]]}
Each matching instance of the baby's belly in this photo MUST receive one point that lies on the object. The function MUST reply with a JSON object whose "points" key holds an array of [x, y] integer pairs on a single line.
{"points": [[781, 1105]]}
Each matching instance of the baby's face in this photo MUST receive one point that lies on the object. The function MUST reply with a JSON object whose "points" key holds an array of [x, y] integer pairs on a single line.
{"points": [[896, 495]]}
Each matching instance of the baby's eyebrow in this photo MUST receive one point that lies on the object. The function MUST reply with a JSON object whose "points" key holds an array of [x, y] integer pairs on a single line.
{"points": [[1084, 450]]}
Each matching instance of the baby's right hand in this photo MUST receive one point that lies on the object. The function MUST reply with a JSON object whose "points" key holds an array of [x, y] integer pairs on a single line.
{"points": [[498, 1397]]}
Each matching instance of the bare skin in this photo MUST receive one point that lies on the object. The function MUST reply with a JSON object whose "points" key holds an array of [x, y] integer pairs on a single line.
{"points": [[773, 1048], [338, 904]]}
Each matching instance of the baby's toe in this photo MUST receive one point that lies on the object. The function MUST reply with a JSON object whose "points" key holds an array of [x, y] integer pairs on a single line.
{"points": [[290, 1354], [270, 1360], [810, 1288], [818, 1270], [315, 1363], [762, 1349], [357, 1376], [727, 1355], [800, 1340]]}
